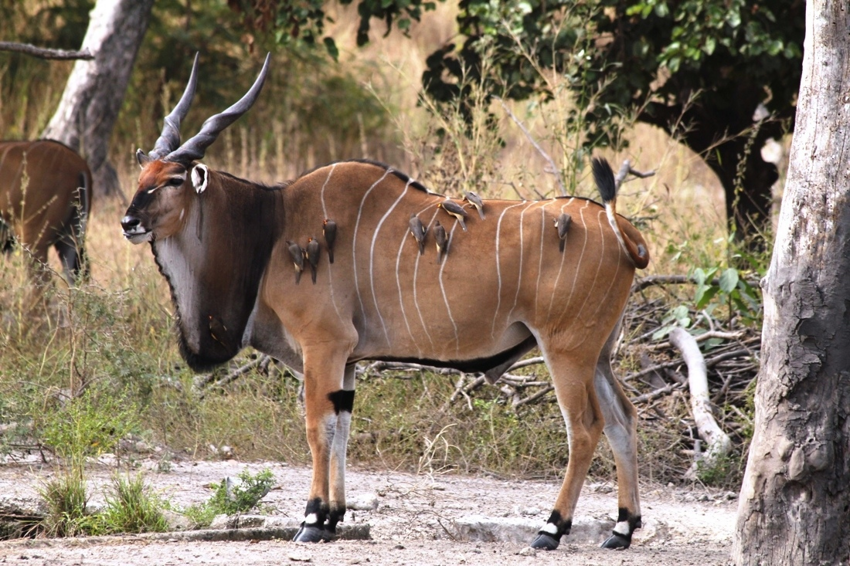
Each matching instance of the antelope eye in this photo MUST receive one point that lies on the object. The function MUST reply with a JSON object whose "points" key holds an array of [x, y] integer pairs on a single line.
{"points": [[174, 182]]}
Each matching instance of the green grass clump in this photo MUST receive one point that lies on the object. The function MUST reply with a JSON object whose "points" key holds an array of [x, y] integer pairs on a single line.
{"points": [[232, 498], [66, 499], [133, 508]]}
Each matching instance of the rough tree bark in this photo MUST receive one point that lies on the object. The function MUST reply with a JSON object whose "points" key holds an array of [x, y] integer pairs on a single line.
{"points": [[96, 88], [795, 499]]}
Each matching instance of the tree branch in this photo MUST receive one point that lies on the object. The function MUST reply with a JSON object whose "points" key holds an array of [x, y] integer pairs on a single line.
{"points": [[44, 52], [553, 169], [718, 441]]}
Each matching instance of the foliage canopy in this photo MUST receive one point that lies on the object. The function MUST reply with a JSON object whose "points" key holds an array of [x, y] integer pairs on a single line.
{"points": [[699, 69]]}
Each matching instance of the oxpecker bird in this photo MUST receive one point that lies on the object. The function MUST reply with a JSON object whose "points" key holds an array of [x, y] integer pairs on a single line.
{"points": [[441, 239], [297, 254], [562, 223], [312, 254], [475, 201], [455, 210], [329, 232], [218, 331], [418, 231]]}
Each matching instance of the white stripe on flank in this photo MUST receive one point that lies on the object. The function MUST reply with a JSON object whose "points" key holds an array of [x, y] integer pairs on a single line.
{"points": [[372, 258], [540, 261], [416, 273], [443, 288], [404, 239], [330, 265], [322, 194], [561, 267], [354, 240], [580, 259], [519, 274], [499, 268], [601, 256], [620, 252]]}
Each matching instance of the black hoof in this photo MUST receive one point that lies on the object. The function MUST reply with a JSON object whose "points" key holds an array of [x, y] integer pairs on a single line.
{"points": [[312, 533], [545, 541], [617, 542]]}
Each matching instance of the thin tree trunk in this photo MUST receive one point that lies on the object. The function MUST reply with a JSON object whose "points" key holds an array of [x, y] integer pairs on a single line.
{"points": [[96, 88], [796, 492]]}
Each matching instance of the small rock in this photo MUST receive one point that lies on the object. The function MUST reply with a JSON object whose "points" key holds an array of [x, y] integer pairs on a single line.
{"points": [[527, 551], [220, 522], [176, 521], [249, 521], [363, 502], [731, 495], [300, 557]]}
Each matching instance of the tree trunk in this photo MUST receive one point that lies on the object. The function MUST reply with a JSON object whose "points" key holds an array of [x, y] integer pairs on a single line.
{"points": [[95, 89], [795, 499]]}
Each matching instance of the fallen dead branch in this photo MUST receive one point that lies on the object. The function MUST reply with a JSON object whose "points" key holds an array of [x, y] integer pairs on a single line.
{"points": [[718, 441]]}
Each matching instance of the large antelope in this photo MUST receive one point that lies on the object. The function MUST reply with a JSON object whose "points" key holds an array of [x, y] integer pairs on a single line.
{"points": [[233, 252], [45, 199]]}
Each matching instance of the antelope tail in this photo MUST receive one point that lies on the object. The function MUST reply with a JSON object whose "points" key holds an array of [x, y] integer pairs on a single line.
{"points": [[607, 185]]}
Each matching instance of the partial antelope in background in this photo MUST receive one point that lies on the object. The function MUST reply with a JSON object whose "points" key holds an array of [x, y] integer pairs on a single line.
{"points": [[233, 253], [45, 199]]}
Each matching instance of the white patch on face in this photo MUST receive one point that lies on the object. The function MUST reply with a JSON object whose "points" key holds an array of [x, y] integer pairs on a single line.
{"points": [[182, 212], [311, 519], [200, 177], [550, 528], [622, 528]]}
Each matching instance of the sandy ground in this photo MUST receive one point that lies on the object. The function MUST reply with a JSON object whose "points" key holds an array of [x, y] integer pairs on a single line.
{"points": [[414, 523]]}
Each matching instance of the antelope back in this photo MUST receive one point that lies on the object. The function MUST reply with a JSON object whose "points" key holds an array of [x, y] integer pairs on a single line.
{"points": [[44, 187]]}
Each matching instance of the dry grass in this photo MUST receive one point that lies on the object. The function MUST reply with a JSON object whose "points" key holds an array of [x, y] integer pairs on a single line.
{"points": [[114, 335]]}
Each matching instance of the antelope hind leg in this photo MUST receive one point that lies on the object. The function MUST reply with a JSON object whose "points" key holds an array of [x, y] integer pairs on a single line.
{"points": [[573, 382], [325, 399], [621, 432]]}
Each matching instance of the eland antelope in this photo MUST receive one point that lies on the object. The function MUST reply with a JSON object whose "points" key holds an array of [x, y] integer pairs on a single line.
{"points": [[233, 252], [45, 199]]}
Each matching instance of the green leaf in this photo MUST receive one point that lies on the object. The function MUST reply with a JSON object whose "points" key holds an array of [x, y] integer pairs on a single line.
{"points": [[729, 280], [704, 297], [330, 45]]}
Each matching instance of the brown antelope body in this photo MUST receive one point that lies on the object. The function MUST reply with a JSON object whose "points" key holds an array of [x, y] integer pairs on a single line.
{"points": [[229, 249], [45, 199]]}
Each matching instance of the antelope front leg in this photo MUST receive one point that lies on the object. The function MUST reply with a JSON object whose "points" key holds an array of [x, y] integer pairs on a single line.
{"points": [[325, 399], [573, 382], [343, 405]]}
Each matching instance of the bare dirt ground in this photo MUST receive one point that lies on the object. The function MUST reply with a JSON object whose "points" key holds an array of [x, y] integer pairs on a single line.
{"points": [[415, 522]]}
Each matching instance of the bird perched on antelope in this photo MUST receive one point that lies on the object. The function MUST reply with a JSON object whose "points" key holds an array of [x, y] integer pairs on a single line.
{"points": [[418, 231], [562, 224], [329, 232], [312, 255], [455, 210], [441, 239], [475, 200], [297, 253]]}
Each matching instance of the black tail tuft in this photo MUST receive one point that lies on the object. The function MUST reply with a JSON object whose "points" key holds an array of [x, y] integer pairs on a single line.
{"points": [[604, 177]]}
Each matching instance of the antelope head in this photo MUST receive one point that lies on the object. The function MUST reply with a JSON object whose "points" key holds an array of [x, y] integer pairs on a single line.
{"points": [[171, 176]]}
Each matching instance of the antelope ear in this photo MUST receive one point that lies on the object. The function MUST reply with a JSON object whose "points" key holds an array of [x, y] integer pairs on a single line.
{"points": [[142, 158], [200, 177]]}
